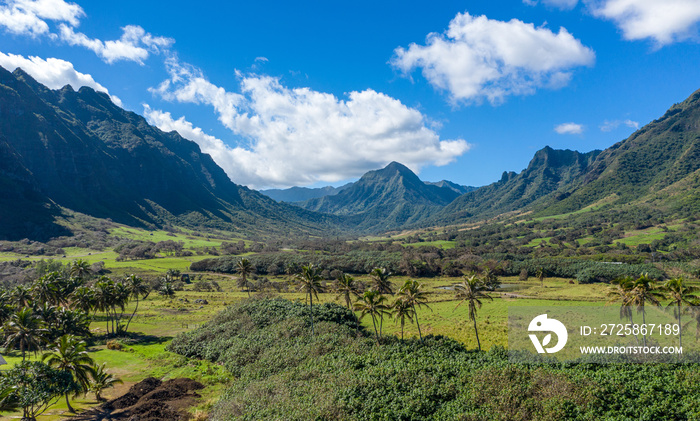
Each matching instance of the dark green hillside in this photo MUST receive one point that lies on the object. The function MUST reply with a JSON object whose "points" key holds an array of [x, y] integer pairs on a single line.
{"points": [[664, 152], [80, 151], [385, 199], [549, 171]]}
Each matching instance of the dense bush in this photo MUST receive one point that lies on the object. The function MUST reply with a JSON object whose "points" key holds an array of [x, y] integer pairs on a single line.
{"points": [[285, 373]]}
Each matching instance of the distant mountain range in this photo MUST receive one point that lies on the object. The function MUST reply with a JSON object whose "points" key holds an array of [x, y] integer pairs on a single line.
{"points": [[62, 149], [79, 151]]}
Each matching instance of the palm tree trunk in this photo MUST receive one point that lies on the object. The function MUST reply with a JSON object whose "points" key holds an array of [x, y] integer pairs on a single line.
{"points": [[680, 342], [402, 322], [132, 314], [381, 323], [644, 322], [478, 343], [70, 408], [311, 310], [374, 322], [420, 335]]}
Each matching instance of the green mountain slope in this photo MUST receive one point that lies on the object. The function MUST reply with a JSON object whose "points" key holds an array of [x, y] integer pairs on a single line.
{"points": [[385, 199], [548, 171], [80, 151]]}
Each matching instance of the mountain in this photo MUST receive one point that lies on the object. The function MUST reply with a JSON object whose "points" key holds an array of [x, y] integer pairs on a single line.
{"points": [[453, 186], [79, 151], [653, 162], [385, 199], [658, 165], [299, 194], [549, 171]]}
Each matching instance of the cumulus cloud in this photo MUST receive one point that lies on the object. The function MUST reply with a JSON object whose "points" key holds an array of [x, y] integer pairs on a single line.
{"points": [[52, 72], [479, 58], [663, 21], [609, 126], [28, 17], [300, 136], [32, 17], [569, 128], [559, 4], [135, 44]]}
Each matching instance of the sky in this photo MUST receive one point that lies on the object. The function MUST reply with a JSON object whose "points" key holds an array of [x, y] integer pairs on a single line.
{"points": [[312, 93]]}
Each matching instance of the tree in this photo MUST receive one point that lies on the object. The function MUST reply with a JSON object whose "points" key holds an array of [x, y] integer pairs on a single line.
{"points": [[137, 289], [621, 291], [380, 280], [309, 282], [412, 292], [540, 274], [45, 289], [102, 380], [402, 310], [244, 268], [24, 330], [69, 354], [33, 386], [22, 296], [372, 303], [346, 287], [679, 294], [472, 290], [80, 269], [83, 298], [645, 291]]}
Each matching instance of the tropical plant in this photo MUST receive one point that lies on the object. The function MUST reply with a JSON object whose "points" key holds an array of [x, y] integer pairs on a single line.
{"points": [[102, 380], [33, 387], [680, 294], [645, 291], [402, 310], [24, 330], [412, 292], [346, 286], [137, 289], [309, 282], [380, 280], [22, 296], [80, 269], [472, 290], [244, 268], [70, 354], [621, 291], [373, 303], [541, 274]]}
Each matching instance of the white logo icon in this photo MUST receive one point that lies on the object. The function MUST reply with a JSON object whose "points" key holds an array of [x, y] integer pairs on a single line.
{"points": [[542, 324]]}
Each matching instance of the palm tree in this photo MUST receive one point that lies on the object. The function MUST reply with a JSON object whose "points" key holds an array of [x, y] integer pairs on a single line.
{"points": [[245, 268], [472, 290], [137, 289], [102, 380], [309, 282], [380, 280], [69, 354], [372, 303], [680, 294], [645, 290], [83, 298], [80, 269], [22, 296], [346, 286], [26, 330], [412, 292], [402, 310], [621, 291], [45, 289]]}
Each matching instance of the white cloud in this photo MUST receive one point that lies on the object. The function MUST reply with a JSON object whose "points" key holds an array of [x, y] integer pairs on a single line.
{"points": [[478, 58], [27, 17], [609, 126], [135, 44], [301, 136], [664, 21], [569, 128], [52, 72], [559, 4]]}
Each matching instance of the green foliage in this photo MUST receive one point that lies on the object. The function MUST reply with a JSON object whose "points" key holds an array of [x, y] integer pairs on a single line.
{"points": [[33, 387], [283, 372]]}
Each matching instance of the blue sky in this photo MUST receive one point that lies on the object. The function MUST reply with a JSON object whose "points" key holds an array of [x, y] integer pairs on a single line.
{"points": [[319, 92]]}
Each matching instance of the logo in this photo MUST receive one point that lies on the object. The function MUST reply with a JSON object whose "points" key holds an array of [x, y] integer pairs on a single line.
{"points": [[542, 324]]}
